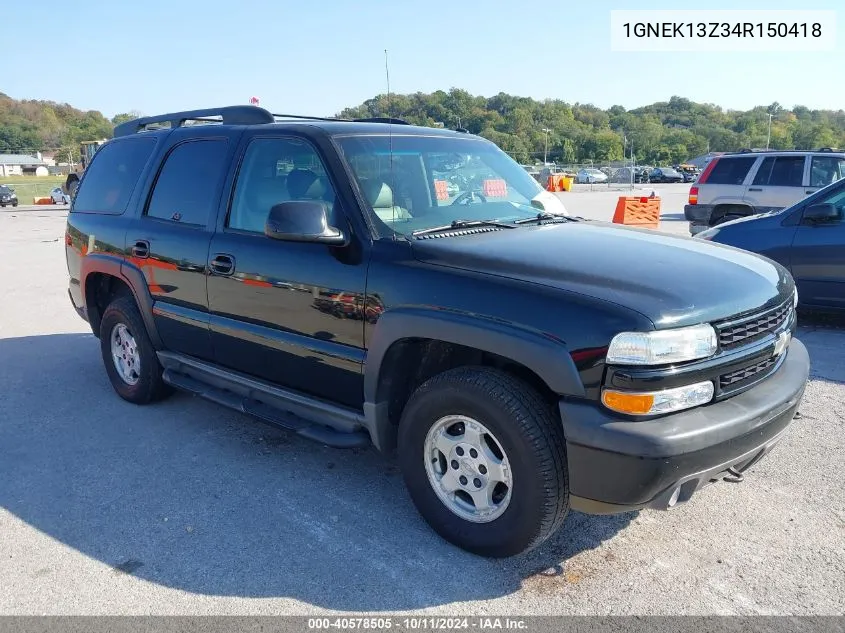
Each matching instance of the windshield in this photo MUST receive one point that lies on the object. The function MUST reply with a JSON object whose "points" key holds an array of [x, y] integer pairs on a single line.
{"points": [[4, 189], [434, 180]]}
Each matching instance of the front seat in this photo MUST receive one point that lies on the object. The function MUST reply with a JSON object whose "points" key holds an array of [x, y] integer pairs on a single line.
{"points": [[261, 196], [380, 196]]}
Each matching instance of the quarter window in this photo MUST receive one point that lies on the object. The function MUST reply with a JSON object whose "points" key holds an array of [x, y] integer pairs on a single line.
{"points": [[730, 171], [187, 187], [112, 176]]}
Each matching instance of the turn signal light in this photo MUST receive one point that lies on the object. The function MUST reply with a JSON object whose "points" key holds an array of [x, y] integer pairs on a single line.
{"points": [[693, 195], [658, 402], [633, 403]]}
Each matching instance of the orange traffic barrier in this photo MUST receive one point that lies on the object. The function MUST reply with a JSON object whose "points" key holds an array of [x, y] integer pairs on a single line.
{"points": [[47, 200], [552, 184], [441, 189], [638, 211]]}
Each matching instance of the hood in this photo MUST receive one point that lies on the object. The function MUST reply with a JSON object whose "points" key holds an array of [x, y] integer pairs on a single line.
{"points": [[672, 280]]}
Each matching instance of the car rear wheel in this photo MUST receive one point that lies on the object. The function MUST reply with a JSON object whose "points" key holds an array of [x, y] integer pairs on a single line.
{"points": [[128, 354], [483, 457]]}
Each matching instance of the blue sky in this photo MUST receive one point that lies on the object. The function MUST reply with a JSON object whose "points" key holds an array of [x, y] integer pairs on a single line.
{"points": [[318, 57]]}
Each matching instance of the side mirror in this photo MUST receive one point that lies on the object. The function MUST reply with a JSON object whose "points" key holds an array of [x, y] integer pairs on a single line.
{"points": [[821, 214], [303, 221]]}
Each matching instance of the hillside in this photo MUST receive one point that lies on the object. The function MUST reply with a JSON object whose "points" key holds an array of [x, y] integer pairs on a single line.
{"points": [[660, 133], [667, 132], [27, 126]]}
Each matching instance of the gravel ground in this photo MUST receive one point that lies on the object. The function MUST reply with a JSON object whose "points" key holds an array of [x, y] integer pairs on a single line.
{"points": [[188, 508]]}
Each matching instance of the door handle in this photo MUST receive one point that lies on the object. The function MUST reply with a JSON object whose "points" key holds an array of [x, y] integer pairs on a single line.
{"points": [[754, 189], [811, 191], [141, 249], [223, 264]]}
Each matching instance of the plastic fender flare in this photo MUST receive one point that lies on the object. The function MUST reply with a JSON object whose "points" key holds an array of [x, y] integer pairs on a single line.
{"points": [[546, 356], [115, 266]]}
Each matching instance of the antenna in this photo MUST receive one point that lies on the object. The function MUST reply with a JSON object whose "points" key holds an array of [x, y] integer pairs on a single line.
{"points": [[390, 142]]}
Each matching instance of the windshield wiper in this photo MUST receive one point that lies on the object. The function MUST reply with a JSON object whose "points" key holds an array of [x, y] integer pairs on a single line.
{"points": [[542, 217], [463, 224]]}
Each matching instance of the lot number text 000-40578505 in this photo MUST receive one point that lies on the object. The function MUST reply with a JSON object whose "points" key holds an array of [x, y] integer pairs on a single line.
{"points": [[723, 30]]}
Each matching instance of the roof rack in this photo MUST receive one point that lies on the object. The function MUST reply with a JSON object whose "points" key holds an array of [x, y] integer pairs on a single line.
{"points": [[229, 115]]}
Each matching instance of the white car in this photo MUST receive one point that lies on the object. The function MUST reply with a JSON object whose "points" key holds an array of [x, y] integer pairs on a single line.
{"points": [[59, 197], [590, 176]]}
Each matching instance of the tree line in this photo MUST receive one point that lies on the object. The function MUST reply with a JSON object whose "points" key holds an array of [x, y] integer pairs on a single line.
{"points": [[662, 133]]}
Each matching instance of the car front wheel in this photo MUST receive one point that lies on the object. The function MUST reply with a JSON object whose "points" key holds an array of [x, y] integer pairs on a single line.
{"points": [[483, 457]]}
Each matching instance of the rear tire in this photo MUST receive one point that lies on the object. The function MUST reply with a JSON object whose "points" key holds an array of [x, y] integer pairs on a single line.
{"points": [[128, 354], [522, 443]]}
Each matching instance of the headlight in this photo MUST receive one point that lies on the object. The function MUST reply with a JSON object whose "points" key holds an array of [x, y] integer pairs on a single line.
{"points": [[707, 234], [663, 346], [656, 402]]}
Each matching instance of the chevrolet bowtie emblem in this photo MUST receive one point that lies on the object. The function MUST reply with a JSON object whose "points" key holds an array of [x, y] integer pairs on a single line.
{"points": [[782, 342]]}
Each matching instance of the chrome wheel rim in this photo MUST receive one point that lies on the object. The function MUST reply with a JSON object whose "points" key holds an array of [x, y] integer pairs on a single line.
{"points": [[124, 353], [468, 468]]}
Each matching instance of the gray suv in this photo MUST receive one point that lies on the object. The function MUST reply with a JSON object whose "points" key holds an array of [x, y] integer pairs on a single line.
{"points": [[747, 183]]}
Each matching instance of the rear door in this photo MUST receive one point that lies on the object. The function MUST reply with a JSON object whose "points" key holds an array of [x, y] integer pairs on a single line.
{"points": [[818, 257], [169, 241], [778, 182]]}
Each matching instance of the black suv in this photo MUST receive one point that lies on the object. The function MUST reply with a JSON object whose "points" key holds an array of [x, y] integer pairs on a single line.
{"points": [[322, 275]]}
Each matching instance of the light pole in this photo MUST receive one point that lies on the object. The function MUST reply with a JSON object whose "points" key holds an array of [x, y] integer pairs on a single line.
{"points": [[769, 135], [546, 147]]}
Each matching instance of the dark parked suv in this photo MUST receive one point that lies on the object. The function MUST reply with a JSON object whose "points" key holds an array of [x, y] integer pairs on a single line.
{"points": [[321, 276]]}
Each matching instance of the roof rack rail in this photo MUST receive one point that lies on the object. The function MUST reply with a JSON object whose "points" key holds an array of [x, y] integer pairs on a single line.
{"points": [[305, 117], [381, 119], [229, 115]]}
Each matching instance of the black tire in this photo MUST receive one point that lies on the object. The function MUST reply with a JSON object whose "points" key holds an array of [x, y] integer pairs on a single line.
{"points": [[150, 387], [532, 438]]}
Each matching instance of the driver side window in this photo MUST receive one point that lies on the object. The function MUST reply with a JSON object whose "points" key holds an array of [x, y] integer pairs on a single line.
{"points": [[276, 170]]}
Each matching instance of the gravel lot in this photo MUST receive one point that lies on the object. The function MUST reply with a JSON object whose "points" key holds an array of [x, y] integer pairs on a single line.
{"points": [[188, 508]]}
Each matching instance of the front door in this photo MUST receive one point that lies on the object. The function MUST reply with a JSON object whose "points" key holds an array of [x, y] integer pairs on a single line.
{"points": [[818, 257], [170, 241], [287, 312]]}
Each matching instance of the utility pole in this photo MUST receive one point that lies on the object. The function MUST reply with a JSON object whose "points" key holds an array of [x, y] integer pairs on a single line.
{"points": [[769, 135], [546, 147]]}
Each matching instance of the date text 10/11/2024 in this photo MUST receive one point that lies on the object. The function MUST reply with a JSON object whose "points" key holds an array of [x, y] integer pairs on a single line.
{"points": [[432, 623]]}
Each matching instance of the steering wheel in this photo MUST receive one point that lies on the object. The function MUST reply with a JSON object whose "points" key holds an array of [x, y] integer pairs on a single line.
{"points": [[468, 197]]}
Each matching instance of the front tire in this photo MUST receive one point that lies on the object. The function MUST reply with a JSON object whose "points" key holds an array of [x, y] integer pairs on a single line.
{"points": [[128, 354], [483, 458]]}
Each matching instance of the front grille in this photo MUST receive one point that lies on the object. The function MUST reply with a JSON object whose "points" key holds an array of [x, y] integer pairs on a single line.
{"points": [[743, 376], [754, 328]]}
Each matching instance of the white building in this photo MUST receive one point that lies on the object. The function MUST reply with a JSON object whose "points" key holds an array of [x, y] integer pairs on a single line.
{"points": [[21, 165]]}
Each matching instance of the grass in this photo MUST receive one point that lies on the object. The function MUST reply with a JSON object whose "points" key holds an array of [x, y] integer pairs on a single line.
{"points": [[29, 187]]}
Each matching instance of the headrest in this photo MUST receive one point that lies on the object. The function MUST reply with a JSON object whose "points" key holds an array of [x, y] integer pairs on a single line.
{"points": [[378, 194], [303, 183], [266, 192]]}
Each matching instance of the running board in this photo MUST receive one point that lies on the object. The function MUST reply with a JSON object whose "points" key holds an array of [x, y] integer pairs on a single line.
{"points": [[311, 418]]}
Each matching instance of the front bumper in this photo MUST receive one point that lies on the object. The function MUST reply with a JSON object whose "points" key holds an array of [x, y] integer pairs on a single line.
{"points": [[620, 466]]}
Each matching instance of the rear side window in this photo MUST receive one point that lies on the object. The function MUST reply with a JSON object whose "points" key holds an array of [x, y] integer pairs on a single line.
{"points": [[111, 177], [730, 171], [187, 186], [781, 171]]}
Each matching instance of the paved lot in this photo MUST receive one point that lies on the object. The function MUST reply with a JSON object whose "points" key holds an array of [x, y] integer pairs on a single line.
{"points": [[185, 507]]}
